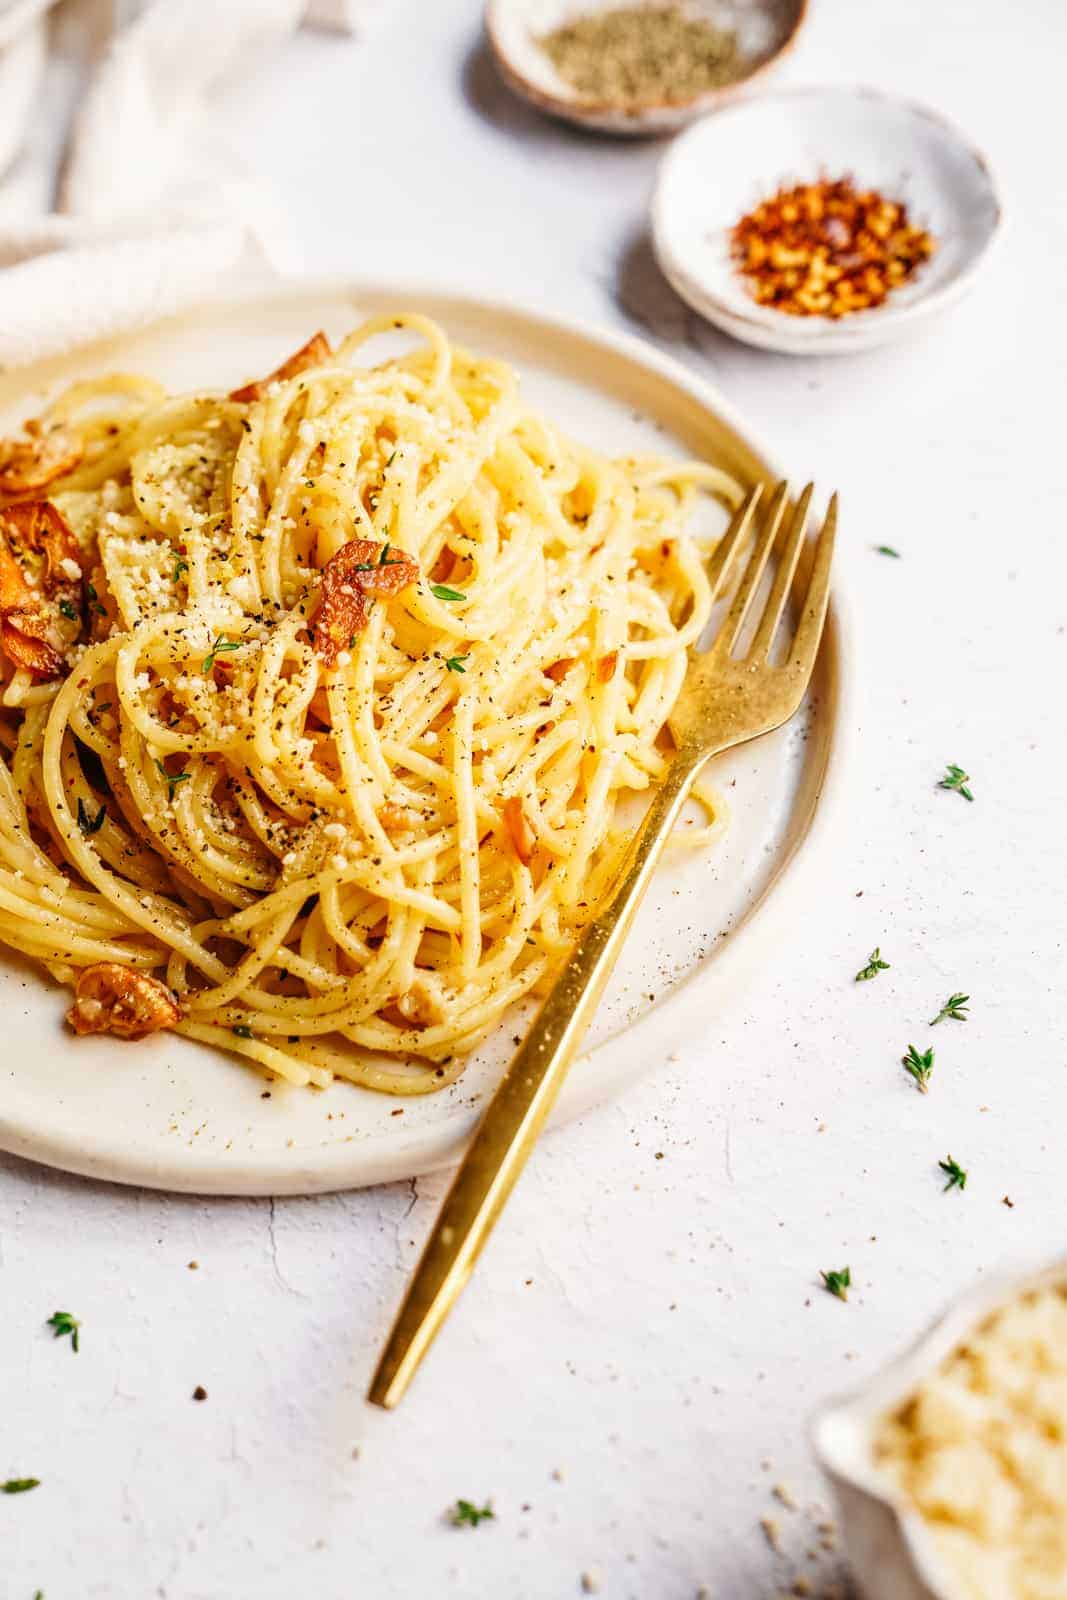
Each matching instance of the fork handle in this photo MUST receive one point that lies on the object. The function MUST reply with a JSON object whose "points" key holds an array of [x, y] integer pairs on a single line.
{"points": [[516, 1114]]}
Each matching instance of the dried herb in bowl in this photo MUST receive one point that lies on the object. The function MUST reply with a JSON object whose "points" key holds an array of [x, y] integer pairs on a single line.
{"points": [[643, 55]]}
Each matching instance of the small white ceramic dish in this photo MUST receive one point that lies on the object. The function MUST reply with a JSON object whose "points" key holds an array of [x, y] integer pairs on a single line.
{"points": [[765, 30], [727, 163], [889, 1546], [169, 1113]]}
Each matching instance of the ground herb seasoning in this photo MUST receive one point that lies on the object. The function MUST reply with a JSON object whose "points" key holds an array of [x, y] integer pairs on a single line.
{"points": [[642, 55], [827, 249]]}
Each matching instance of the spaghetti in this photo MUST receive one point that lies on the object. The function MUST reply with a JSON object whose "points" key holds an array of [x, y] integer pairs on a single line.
{"points": [[318, 700]]}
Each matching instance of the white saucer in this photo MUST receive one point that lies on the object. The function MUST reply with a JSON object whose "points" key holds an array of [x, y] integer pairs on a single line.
{"points": [[728, 162]]}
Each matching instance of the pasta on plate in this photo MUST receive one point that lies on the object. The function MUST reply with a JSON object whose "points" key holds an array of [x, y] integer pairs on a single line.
{"points": [[318, 700]]}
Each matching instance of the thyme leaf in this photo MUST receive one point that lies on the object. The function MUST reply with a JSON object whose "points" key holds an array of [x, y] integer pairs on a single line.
{"points": [[465, 1512], [219, 645], [955, 1007], [874, 966], [956, 778], [172, 779], [63, 1325], [957, 1177], [382, 561], [920, 1066]]}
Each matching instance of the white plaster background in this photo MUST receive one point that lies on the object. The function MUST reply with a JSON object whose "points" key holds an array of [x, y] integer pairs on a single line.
{"points": [[648, 1320]]}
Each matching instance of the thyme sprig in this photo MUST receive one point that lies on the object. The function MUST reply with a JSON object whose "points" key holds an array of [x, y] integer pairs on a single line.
{"points": [[219, 646], [382, 561], [955, 1007], [920, 1065], [956, 778], [64, 1326], [874, 966], [172, 779], [838, 1282], [466, 1513], [957, 1177]]}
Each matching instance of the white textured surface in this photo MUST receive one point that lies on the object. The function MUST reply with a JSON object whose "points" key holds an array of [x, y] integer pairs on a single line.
{"points": [[653, 1328]]}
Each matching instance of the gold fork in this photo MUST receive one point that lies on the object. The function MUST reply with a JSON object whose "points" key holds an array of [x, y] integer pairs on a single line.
{"points": [[724, 702]]}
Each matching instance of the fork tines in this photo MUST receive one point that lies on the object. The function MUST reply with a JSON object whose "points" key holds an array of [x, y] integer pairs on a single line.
{"points": [[724, 564]]}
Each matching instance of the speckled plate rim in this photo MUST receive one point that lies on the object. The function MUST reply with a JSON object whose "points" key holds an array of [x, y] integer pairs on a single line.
{"points": [[607, 1069], [819, 335]]}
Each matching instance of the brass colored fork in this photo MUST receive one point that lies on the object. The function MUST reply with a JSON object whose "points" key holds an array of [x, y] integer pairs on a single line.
{"points": [[724, 702]]}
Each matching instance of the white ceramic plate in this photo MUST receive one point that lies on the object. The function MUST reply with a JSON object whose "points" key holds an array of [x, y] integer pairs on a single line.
{"points": [[728, 162], [171, 1114], [765, 30]]}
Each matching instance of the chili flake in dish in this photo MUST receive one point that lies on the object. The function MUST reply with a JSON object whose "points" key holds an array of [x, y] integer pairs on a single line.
{"points": [[827, 248]]}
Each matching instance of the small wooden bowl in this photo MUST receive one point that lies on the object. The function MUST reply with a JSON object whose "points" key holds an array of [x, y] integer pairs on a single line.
{"points": [[765, 30]]}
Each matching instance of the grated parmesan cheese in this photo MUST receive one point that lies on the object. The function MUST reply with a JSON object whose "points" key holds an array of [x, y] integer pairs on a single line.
{"points": [[980, 1451]]}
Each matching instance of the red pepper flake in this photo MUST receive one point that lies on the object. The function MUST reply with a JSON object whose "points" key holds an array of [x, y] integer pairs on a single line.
{"points": [[827, 249]]}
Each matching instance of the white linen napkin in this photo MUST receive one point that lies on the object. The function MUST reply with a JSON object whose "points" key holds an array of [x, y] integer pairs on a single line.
{"points": [[151, 210]]}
